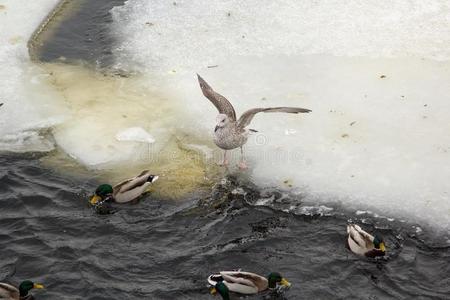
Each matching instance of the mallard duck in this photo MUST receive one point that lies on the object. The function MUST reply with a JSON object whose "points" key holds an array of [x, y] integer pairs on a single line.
{"points": [[9, 292], [244, 282], [363, 243], [125, 191]]}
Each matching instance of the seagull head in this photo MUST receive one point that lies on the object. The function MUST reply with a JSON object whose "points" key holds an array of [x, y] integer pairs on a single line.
{"points": [[222, 120]]}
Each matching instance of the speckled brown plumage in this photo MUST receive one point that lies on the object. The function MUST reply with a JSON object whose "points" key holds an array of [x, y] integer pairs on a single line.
{"points": [[231, 133]]}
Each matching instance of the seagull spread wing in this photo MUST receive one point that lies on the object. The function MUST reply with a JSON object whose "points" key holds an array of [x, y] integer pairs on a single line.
{"points": [[219, 101], [247, 117]]}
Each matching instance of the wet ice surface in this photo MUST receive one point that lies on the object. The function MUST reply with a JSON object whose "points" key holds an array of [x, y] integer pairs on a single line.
{"points": [[24, 114], [375, 76]]}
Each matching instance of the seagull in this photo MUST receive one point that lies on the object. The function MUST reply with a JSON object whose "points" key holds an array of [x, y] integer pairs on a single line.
{"points": [[230, 132]]}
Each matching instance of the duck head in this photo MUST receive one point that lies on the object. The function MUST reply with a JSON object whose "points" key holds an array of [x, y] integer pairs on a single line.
{"points": [[101, 193], [275, 279], [222, 290], [378, 243], [27, 285]]}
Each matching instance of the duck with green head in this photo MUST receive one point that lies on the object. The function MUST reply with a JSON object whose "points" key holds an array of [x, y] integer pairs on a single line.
{"points": [[9, 292], [363, 243], [244, 282], [125, 191], [221, 289]]}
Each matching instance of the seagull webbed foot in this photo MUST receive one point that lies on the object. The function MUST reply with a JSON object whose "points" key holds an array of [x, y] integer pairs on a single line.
{"points": [[223, 164], [242, 165]]}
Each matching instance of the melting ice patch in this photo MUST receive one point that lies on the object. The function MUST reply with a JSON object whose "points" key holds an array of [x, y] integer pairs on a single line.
{"points": [[26, 141], [375, 75], [135, 134], [28, 106], [109, 117]]}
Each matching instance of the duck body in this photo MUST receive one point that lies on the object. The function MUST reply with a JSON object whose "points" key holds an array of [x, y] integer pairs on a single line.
{"points": [[245, 282], [240, 282], [363, 243], [9, 292], [130, 189], [125, 191]]}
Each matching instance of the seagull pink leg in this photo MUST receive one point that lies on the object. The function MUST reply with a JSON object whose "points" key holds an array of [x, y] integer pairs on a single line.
{"points": [[225, 161], [242, 165]]}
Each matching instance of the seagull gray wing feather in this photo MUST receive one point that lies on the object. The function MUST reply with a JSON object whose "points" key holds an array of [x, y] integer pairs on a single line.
{"points": [[220, 102], [247, 116]]}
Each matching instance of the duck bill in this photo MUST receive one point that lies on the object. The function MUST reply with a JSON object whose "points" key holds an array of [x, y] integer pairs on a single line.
{"points": [[156, 177], [284, 282], [95, 199], [38, 286], [213, 291], [382, 247]]}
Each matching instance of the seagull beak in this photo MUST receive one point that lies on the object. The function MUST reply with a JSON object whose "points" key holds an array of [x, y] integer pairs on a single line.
{"points": [[284, 282], [95, 199], [38, 286]]}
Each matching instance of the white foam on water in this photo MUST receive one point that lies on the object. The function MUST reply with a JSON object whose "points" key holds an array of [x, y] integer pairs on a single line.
{"points": [[375, 74], [28, 106]]}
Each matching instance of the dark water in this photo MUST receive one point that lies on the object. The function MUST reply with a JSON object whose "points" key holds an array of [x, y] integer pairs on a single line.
{"points": [[83, 35], [165, 249], [162, 249]]}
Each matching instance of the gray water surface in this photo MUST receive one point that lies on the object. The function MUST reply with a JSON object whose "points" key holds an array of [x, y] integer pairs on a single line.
{"points": [[164, 249]]}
